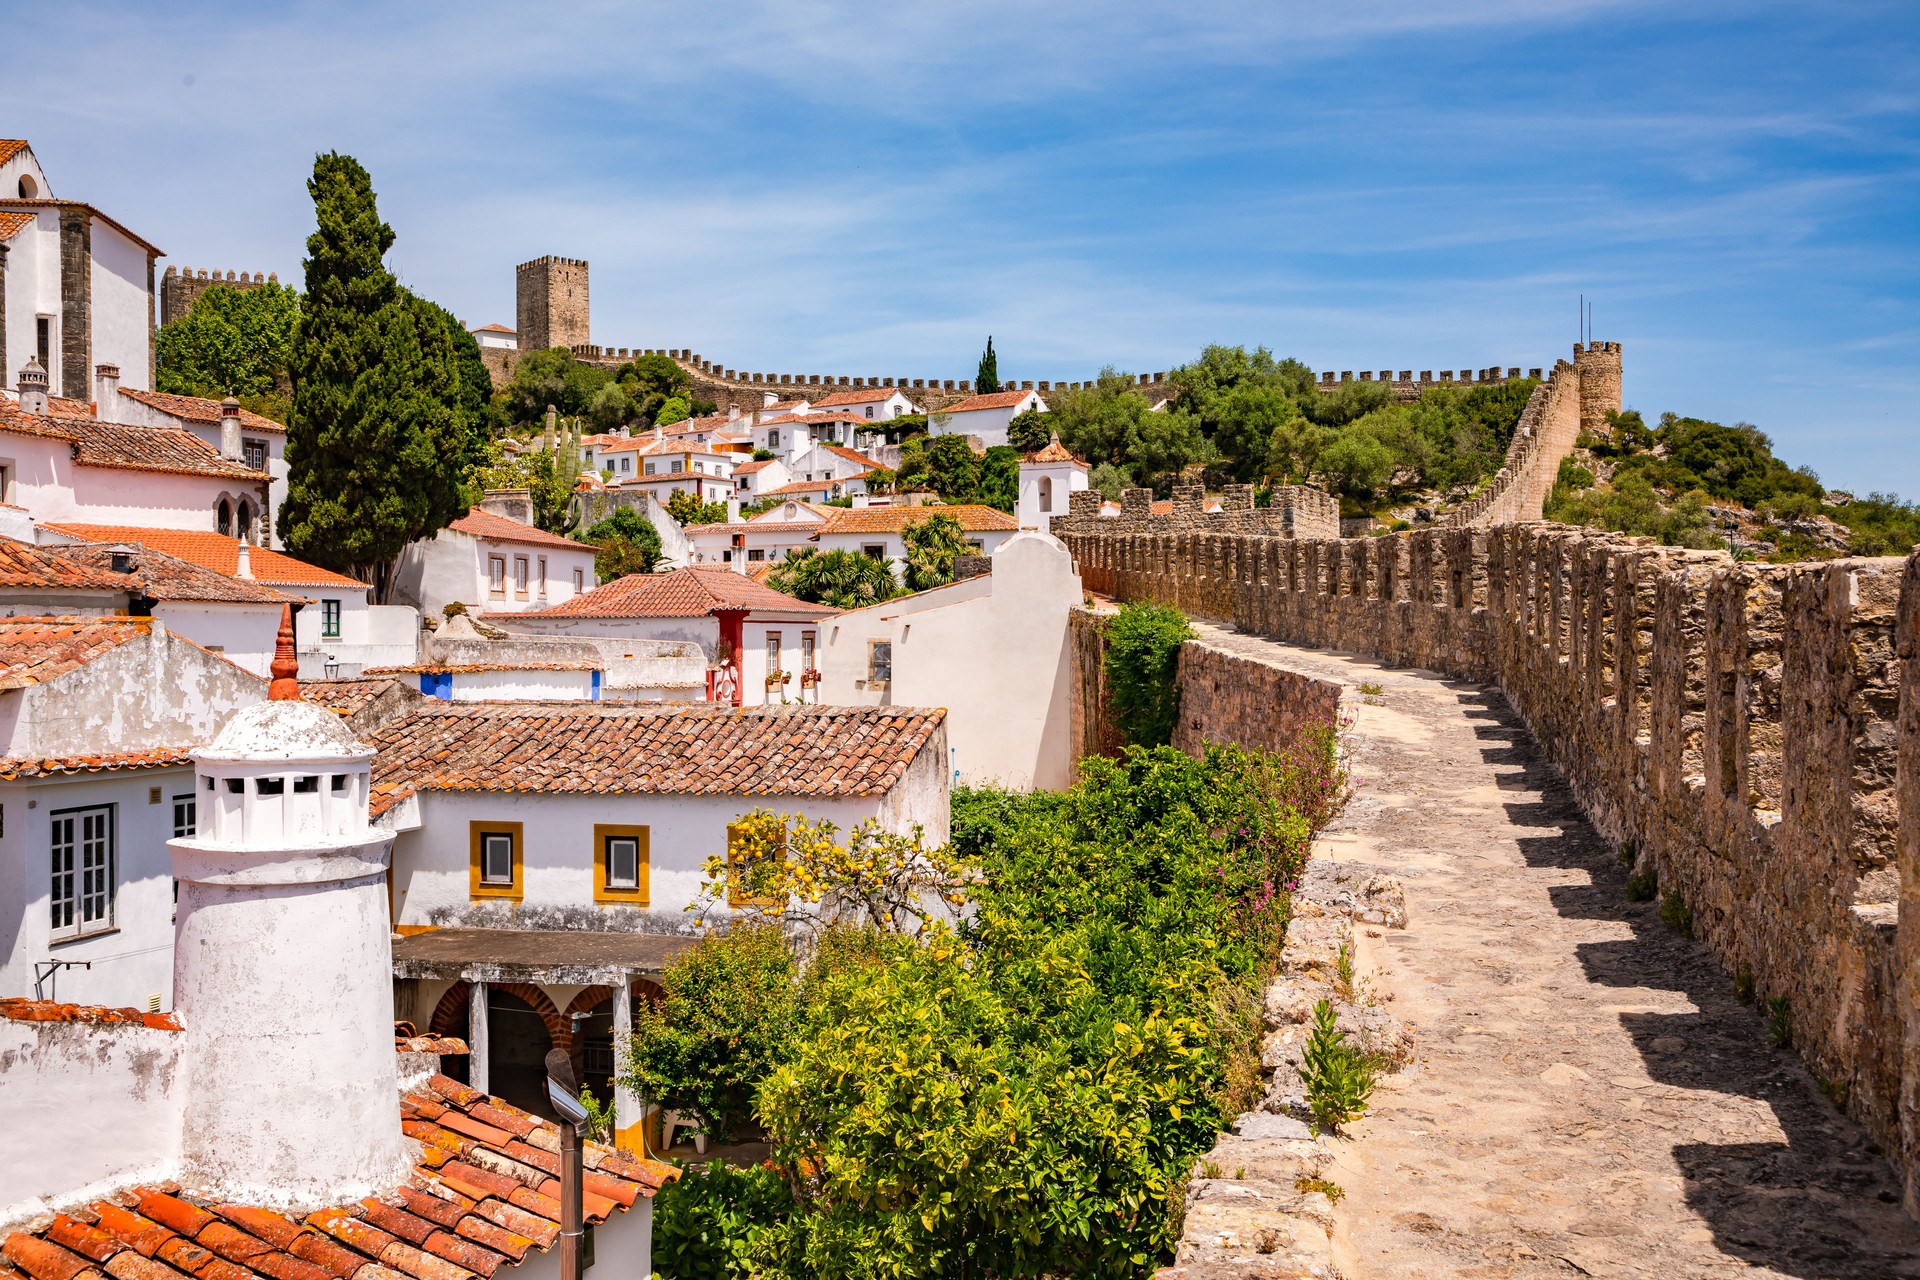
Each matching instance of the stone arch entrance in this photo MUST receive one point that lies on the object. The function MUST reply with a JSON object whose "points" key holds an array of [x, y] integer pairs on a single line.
{"points": [[519, 1035]]}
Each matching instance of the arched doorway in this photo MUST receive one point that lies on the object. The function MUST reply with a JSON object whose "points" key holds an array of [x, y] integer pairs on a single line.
{"points": [[518, 1039]]}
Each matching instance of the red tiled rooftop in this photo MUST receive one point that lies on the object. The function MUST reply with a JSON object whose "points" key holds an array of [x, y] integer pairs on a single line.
{"points": [[973, 519], [199, 409], [1054, 451], [852, 455], [14, 768], [486, 524], [118, 446], [483, 1194], [863, 395], [215, 551], [609, 748], [11, 147], [159, 576], [20, 1009], [11, 224], [24, 565], [683, 593], [991, 400], [36, 650], [800, 486]]}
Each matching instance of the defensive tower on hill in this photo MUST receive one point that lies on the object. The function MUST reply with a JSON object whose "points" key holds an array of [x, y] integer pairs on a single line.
{"points": [[550, 303]]}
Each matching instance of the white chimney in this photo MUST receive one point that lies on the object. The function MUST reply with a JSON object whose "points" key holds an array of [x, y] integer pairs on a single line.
{"points": [[733, 509], [230, 429], [243, 567], [860, 502], [659, 432], [106, 392], [283, 967], [33, 386]]}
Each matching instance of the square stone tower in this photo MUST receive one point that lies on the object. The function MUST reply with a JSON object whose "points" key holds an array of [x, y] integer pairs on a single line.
{"points": [[550, 303]]}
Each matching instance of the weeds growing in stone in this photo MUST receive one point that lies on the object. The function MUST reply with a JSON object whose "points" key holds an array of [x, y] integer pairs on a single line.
{"points": [[1642, 886], [1209, 1169], [1306, 1186], [1629, 853], [1743, 985], [1779, 1022], [1835, 1091], [1339, 1076], [1343, 972], [1676, 914]]}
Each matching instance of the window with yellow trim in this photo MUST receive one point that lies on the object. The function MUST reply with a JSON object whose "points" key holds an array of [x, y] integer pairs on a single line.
{"points": [[622, 864], [498, 866]]}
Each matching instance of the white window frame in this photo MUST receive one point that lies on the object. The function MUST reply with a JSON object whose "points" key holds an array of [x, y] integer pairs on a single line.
{"points": [[81, 883], [631, 845], [496, 575], [520, 571], [543, 577], [491, 842]]}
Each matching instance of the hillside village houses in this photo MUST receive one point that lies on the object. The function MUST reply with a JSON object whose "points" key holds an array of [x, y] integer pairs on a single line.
{"points": [[493, 558], [985, 417]]}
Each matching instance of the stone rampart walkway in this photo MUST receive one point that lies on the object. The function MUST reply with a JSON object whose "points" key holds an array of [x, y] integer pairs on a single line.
{"points": [[1589, 1097]]}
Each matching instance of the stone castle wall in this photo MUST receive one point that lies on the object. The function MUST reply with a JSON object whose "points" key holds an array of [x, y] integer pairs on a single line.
{"points": [[181, 287], [550, 303], [1750, 732]]}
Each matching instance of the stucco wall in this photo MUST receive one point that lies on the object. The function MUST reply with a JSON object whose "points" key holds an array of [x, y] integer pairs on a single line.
{"points": [[994, 651], [123, 315], [99, 1106], [1750, 729], [242, 633]]}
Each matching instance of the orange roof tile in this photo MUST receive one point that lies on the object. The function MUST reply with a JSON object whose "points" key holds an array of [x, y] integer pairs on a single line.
{"points": [[973, 519], [484, 1192], [493, 328], [159, 576], [13, 768], [21, 1009], [683, 593], [11, 224], [801, 486], [1054, 451], [215, 551], [486, 524], [851, 455], [199, 409], [11, 147], [46, 569], [352, 694], [748, 468], [116, 445], [612, 748], [991, 400], [36, 650], [862, 395], [783, 406]]}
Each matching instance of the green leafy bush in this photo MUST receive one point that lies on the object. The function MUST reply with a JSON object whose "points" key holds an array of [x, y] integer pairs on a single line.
{"points": [[839, 578], [1142, 660], [713, 1221], [1338, 1075], [1676, 914]]}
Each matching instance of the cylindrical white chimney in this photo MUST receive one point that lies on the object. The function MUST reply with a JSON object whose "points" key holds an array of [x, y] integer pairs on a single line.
{"points": [[106, 392], [230, 429], [283, 969], [33, 386], [243, 567]]}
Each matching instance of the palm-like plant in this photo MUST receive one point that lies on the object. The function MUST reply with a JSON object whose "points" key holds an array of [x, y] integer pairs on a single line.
{"points": [[837, 579]]}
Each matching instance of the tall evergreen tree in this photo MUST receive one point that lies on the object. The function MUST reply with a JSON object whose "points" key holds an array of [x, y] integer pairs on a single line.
{"points": [[988, 378], [381, 426]]}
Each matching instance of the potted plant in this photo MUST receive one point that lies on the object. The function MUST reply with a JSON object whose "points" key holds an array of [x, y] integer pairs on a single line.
{"points": [[811, 676], [778, 679]]}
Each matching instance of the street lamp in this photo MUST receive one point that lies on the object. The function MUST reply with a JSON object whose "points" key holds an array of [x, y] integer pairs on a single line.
{"points": [[563, 1091]]}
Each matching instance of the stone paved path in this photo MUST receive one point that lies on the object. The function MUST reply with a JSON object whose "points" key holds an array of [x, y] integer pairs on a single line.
{"points": [[1589, 1096]]}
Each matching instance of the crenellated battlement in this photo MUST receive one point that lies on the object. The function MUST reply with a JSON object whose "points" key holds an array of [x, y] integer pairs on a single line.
{"points": [[1293, 511], [550, 260], [181, 287]]}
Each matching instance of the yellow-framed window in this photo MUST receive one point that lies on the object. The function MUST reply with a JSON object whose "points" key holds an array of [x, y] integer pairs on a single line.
{"points": [[498, 865], [622, 864]]}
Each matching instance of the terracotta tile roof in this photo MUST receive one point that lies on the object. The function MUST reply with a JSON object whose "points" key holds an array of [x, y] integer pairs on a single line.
{"points": [[684, 593], [159, 576], [748, 468], [782, 406], [199, 409], [801, 486], [46, 202], [171, 450], [493, 328], [407, 1039], [11, 224], [215, 551], [851, 455], [14, 768], [830, 415], [485, 524], [973, 519], [610, 748], [991, 400], [44, 568], [348, 697], [1054, 451], [36, 650], [485, 1191], [864, 395], [11, 147], [21, 1009]]}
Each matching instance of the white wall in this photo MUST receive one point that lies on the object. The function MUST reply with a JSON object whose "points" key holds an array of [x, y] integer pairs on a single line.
{"points": [[990, 541], [703, 631], [276, 442], [135, 961], [241, 633], [123, 316], [484, 686], [1066, 478], [431, 863], [146, 499], [33, 290], [116, 1091], [994, 651], [434, 572]]}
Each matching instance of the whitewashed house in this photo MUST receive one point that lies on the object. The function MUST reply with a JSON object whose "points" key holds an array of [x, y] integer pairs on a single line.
{"points": [[880, 532], [994, 650], [509, 680], [985, 417], [753, 481], [1049, 476], [771, 536], [256, 442], [496, 335], [76, 284], [844, 470], [97, 715], [872, 404], [789, 435], [279, 1079], [492, 561], [767, 640]]}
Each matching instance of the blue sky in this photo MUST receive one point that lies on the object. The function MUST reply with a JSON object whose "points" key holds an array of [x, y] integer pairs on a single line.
{"points": [[851, 189]]}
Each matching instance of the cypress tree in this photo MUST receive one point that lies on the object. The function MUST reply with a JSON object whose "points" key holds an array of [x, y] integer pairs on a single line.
{"points": [[988, 379], [381, 427]]}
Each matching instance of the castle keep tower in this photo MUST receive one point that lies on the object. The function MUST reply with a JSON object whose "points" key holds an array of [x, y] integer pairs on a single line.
{"points": [[550, 303], [1599, 369], [283, 962]]}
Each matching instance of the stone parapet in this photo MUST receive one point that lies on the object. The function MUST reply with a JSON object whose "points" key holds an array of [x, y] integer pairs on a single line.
{"points": [[1747, 733]]}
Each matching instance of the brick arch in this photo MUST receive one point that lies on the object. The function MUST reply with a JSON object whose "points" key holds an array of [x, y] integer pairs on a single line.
{"points": [[585, 1002], [452, 1009], [559, 1029]]}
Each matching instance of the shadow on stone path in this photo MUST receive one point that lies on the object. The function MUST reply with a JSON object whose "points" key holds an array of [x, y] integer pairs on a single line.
{"points": [[1589, 1096]]}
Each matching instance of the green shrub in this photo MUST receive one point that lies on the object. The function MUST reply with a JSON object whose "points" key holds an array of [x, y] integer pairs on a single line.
{"points": [[1779, 1021], [1142, 670], [1676, 914], [1642, 886], [711, 1222], [1338, 1076], [1743, 985]]}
